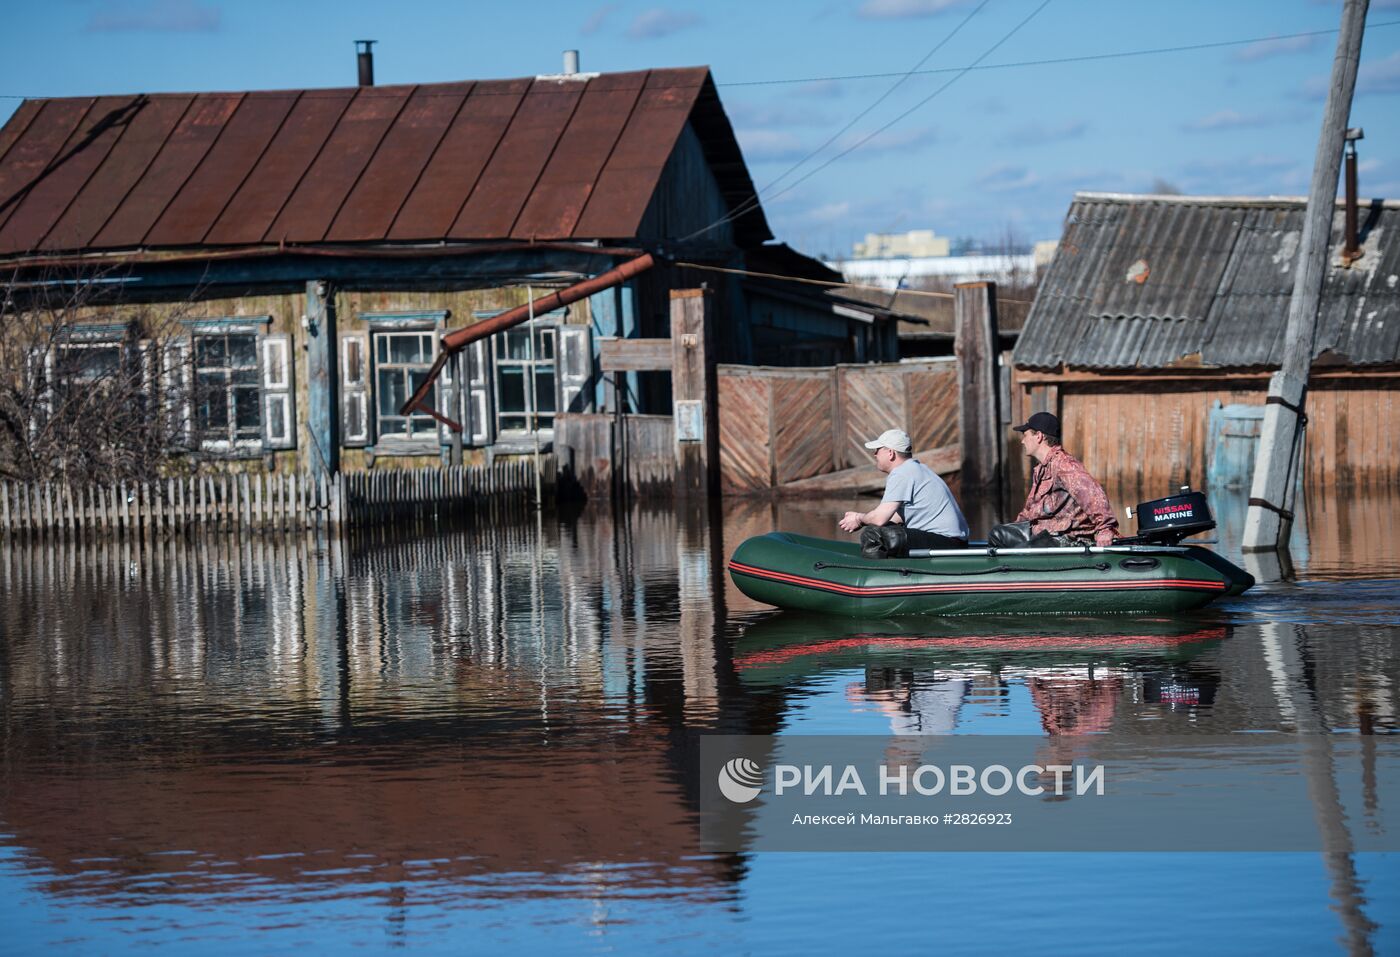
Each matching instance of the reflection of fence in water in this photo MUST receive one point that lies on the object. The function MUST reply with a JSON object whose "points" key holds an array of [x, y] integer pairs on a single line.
{"points": [[338, 623], [264, 503]]}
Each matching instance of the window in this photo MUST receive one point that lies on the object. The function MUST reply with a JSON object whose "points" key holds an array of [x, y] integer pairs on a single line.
{"points": [[401, 363], [87, 366], [525, 372], [227, 391]]}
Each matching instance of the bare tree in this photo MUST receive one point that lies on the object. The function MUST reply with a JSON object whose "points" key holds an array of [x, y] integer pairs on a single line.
{"points": [[92, 389]]}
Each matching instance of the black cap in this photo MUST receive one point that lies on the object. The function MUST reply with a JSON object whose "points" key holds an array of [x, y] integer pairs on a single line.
{"points": [[1042, 422]]}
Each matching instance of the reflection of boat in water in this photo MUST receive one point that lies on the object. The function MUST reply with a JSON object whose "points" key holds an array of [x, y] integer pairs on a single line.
{"points": [[789, 646], [814, 574]]}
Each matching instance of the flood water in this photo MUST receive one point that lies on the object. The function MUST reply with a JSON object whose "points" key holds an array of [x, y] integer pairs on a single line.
{"points": [[484, 740]]}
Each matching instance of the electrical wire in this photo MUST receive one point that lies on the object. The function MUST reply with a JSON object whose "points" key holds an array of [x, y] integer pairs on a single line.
{"points": [[1055, 61], [833, 285], [865, 112], [836, 78], [869, 136]]}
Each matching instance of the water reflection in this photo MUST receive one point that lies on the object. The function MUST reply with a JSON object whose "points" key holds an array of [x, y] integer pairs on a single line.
{"points": [[498, 715]]}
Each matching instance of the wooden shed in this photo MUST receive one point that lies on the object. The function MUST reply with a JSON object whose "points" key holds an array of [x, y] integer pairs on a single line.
{"points": [[1159, 321]]}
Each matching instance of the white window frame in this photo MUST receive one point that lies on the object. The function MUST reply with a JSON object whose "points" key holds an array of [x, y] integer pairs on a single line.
{"points": [[253, 326], [501, 361], [382, 327]]}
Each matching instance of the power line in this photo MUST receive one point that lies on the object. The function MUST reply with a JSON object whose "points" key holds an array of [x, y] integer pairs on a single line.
{"points": [[979, 67], [865, 112], [932, 294], [876, 132], [1086, 58]]}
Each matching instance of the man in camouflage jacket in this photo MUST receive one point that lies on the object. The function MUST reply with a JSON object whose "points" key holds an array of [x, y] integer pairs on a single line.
{"points": [[1064, 499]]}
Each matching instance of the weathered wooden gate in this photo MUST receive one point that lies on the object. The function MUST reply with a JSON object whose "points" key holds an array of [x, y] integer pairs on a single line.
{"points": [[780, 425]]}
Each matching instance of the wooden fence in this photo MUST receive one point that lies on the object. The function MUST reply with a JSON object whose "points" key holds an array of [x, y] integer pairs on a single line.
{"points": [[777, 425], [261, 503]]}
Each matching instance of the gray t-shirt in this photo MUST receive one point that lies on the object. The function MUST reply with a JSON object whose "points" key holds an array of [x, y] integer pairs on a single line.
{"points": [[925, 500]]}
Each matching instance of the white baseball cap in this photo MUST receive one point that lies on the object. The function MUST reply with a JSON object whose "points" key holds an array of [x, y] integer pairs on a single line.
{"points": [[896, 439]]}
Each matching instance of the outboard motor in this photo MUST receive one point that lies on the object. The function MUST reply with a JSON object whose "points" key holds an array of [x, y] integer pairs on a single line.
{"points": [[1166, 521]]}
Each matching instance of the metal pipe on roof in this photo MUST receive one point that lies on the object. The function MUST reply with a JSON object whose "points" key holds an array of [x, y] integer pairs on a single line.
{"points": [[364, 54], [570, 62], [455, 342], [1351, 250]]}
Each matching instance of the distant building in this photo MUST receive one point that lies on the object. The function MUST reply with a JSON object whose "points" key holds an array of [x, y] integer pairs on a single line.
{"points": [[941, 271], [1156, 328], [915, 244]]}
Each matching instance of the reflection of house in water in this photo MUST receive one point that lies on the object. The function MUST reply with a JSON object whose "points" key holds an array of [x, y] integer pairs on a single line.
{"points": [[490, 702]]}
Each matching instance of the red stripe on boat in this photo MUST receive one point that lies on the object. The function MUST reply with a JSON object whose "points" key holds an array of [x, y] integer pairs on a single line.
{"points": [[894, 591], [1116, 643]]}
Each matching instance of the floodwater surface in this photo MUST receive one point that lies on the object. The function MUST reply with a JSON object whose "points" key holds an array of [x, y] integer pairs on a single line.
{"points": [[485, 739]]}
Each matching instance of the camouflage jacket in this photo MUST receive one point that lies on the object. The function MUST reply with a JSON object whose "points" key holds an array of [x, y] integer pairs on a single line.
{"points": [[1065, 500]]}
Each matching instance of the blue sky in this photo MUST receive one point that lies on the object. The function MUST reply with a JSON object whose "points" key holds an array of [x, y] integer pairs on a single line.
{"points": [[998, 151]]}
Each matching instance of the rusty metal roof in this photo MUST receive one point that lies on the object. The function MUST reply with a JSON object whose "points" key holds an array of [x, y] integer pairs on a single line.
{"points": [[1158, 281], [541, 158]]}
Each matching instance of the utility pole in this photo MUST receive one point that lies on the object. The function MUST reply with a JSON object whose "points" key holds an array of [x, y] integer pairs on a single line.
{"points": [[1269, 519]]}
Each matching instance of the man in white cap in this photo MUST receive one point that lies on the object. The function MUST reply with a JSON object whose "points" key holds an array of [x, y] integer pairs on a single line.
{"points": [[917, 511]]}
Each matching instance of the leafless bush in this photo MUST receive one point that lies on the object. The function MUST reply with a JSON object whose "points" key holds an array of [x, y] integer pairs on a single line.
{"points": [[92, 389]]}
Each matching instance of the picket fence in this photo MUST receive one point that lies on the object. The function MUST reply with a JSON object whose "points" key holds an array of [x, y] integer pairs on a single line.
{"points": [[264, 503]]}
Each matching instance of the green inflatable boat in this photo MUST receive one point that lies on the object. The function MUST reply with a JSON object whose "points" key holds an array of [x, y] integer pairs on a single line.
{"points": [[813, 574], [1151, 572]]}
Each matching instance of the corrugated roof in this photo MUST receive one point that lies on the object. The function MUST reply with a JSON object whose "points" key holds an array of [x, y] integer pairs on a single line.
{"points": [[541, 158], [1156, 281]]}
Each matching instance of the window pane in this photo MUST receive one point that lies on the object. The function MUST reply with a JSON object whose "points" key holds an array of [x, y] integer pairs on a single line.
{"points": [[517, 343], [243, 351], [210, 351], [381, 348], [544, 389], [211, 402], [509, 422], [247, 410], [84, 364], [544, 344], [415, 379], [244, 376], [512, 390], [390, 391], [403, 349], [391, 425]]}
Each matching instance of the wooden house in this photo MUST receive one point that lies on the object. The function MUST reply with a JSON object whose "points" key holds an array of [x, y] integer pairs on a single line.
{"points": [[1157, 326], [312, 247]]}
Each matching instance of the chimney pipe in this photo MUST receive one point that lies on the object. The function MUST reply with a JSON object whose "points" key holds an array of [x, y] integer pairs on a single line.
{"points": [[1351, 250], [364, 53], [570, 62]]}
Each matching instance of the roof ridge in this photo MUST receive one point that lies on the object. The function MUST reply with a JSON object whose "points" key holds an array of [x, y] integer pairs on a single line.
{"points": [[1174, 198]]}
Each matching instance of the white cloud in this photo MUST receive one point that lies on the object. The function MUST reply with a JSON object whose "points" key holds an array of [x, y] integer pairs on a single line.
{"points": [[769, 146], [595, 21], [1226, 120], [827, 213], [660, 22], [1267, 49], [1380, 77], [1007, 179], [163, 16], [891, 140], [820, 90], [1038, 134], [1377, 78], [775, 115], [906, 9]]}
